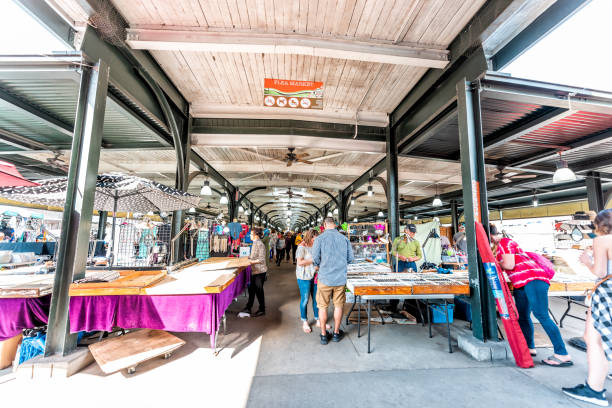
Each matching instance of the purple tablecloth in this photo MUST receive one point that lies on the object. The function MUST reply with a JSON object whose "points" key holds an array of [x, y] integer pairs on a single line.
{"points": [[17, 314], [179, 313]]}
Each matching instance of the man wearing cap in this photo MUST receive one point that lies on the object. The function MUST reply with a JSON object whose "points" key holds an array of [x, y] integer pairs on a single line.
{"points": [[407, 251], [460, 240]]}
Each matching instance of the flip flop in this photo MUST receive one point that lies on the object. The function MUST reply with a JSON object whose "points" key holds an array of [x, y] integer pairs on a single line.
{"points": [[560, 363]]}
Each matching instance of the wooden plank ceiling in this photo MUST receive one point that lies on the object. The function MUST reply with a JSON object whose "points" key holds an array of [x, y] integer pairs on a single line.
{"points": [[230, 84]]}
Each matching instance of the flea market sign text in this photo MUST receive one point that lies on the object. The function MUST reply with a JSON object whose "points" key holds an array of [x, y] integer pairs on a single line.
{"points": [[284, 93]]}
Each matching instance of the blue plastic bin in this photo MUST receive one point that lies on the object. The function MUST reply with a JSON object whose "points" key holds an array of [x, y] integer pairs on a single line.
{"points": [[463, 308], [438, 315]]}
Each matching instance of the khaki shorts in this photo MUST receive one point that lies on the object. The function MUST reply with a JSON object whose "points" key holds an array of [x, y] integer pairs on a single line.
{"points": [[336, 293]]}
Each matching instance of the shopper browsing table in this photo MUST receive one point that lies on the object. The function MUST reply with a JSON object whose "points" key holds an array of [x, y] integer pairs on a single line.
{"points": [[258, 273], [598, 331], [407, 250], [531, 284], [305, 272], [331, 252]]}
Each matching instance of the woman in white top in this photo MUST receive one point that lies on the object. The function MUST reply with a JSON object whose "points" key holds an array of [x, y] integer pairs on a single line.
{"points": [[305, 272], [598, 331]]}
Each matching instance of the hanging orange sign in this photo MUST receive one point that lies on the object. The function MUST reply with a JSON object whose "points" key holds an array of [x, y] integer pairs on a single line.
{"points": [[285, 93]]}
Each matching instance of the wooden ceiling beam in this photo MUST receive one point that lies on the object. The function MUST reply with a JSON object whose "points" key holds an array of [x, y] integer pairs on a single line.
{"points": [[382, 52]]}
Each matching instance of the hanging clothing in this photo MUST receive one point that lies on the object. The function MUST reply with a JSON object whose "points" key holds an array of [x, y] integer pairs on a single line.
{"points": [[145, 243], [235, 228], [203, 245]]}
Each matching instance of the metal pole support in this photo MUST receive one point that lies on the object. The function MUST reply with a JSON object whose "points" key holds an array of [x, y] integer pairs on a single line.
{"points": [[78, 211], [484, 324], [392, 183]]}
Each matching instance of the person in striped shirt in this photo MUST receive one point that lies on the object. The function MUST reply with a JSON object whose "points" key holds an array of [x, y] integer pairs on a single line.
{"points": [[531, 285]]}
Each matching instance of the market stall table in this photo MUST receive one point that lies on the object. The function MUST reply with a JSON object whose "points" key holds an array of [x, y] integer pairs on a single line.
{"points": [[418, 286], [193, 299]]}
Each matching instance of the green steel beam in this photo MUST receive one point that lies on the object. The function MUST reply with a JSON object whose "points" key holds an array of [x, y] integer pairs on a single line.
{"points": [[544, 24], [78, 210], [471, 37], [48, 18], [440, 97], [286, 127], [123, 74]]}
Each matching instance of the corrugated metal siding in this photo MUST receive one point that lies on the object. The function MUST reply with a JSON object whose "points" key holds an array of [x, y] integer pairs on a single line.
{"points": [[570, 128], [497, 114], [59, 99]]}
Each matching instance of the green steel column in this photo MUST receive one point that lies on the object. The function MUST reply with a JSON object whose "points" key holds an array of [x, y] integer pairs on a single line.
{"points": [[182, 177], [595, 196], [392, 184], [484, 320], [454, 216], [102, 217], [76, 220]]}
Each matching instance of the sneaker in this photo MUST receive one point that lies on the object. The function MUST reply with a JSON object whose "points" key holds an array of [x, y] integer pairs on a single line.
{"points": [[338, 336], [259, 313], [585, 393], [325, 338]]}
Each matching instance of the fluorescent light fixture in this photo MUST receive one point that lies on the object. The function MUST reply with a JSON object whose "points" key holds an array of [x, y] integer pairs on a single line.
{"points": [[380, 214], [436, 201], [329, 214], [352, 201], [223, 199], [240, 209], [164, 214], [206, 191], [355, 219], [370, 191], [247, 212], [563, 174], [192, 210], [150, 213], [257, 218], [335, 211], [416, 217]]}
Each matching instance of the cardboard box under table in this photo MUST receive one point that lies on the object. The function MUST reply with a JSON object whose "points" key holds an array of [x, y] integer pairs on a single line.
{"points": [[423, 287], [192, 299]]}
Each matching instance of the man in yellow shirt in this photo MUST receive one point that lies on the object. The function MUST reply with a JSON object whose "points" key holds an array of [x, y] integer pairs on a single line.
{"points": [[407, 251]]}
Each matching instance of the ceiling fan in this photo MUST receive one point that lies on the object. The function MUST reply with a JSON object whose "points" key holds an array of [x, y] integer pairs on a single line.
{"points": [[291, 157], [57, 162], [291, 194], [509, 177]]}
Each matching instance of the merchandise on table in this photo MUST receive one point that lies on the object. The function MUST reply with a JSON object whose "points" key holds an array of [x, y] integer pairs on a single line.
{"points": [[370, 241]]}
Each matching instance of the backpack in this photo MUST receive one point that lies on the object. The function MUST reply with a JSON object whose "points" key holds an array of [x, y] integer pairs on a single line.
{"points": [[543, 263]]}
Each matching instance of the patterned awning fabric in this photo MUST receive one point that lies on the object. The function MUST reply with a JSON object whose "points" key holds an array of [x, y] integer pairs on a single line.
{"points": [[134, 194]]}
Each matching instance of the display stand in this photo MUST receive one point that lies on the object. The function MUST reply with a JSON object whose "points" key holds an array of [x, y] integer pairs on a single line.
{"points": [[369, 241]]}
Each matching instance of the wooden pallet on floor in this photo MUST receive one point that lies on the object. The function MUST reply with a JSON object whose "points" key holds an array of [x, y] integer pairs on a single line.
{"points": [[126, 352]]}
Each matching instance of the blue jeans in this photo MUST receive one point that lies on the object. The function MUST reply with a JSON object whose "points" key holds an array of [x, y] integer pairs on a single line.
{"points": [[533, 297], [403, 266], [307, 289]]}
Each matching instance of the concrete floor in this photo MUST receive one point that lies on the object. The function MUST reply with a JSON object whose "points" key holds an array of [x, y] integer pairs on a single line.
{"points": [[270, 362]]}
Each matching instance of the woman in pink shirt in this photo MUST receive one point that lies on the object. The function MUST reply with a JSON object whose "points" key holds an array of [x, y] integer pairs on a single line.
{"points": [[531, 285]]}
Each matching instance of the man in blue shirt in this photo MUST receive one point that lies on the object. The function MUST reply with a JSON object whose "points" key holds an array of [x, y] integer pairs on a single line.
{"points": [[331, 253]]}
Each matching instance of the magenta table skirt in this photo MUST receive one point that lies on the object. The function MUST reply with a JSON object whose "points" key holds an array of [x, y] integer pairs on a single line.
{"points": [[17, 314], [178, 313]]}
